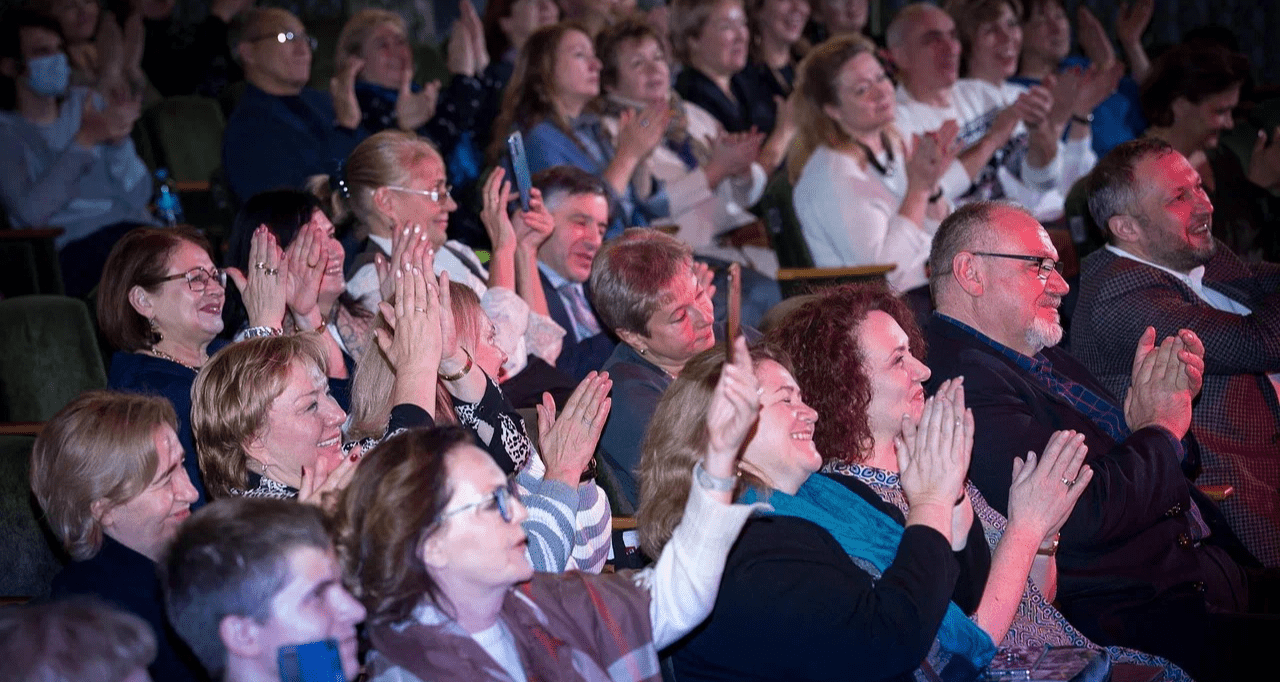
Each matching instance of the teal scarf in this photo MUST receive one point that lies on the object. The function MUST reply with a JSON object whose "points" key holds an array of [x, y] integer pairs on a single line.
{"points": [[867, 533]]}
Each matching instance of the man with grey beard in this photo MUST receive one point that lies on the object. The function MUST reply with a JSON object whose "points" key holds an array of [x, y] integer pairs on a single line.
{"points": [[1145, 560], [1163, 268]]}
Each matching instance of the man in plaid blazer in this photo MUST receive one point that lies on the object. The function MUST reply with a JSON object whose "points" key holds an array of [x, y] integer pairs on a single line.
{"points": [[1163, 268]]}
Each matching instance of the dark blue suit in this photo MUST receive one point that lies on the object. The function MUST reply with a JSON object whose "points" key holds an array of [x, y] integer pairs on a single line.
{"points": [[577, 358]]}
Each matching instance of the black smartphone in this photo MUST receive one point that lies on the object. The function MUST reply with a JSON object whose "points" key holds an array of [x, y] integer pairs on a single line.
{"points": [[733, 316], [520, 167], [311, 662]]}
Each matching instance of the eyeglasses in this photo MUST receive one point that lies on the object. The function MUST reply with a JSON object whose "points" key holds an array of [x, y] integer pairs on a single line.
{"points": [[437, 195], [288, 37], [501, 497], [1047, 265], [199, 278]]}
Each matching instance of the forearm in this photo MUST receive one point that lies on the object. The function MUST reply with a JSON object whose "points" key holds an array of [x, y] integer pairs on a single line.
{"points": [[934, 515], [774, 149], [502, 267], [1136, 55], [914, 205], [618, 173], [979, 153], [527, 283], [1010, 565], [550, 526], [1044, 572]]}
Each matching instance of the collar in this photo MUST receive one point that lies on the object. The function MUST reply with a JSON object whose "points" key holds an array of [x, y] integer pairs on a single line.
{"points": [[556, 279], [1193, 279], [383, 243], [1037, 363]]}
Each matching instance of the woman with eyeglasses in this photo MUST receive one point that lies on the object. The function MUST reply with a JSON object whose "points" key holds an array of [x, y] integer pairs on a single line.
{"points": [[160, 305], [395, 191]]}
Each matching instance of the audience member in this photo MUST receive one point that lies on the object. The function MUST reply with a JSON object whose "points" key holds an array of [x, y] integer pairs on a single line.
{"points": [[105, 50], [265, 424], [776, 29], [159, 304], [710, 39], [823, 579], [569, 526], [1046, 50], [193, 59], [557, 75], [507, 25], [429, 532], [1163, 269], [281, 131], [711, 177], [78, 639], [833, 18], [579, 203], [107, 472], [997, 155], [649, 292], [863, 195], [1146, 561], [1189, 99], [855, 351], [71, 161], [247, 577], [394, 186]]}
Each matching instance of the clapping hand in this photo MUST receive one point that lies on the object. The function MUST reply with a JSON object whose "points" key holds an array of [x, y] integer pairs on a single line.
{"points": [[933, 456], [263, 288], [413, 109], [1161, 385], [306, 261], [405, 243], [1045, 489], [639, 132], [413, 344], [342, 88], [567, 442], [321, 484]]}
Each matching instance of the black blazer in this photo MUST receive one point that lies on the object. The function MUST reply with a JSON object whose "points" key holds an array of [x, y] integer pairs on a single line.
{"points": [[577, 358]]}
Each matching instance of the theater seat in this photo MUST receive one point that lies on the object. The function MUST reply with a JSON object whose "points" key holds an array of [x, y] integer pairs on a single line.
{"points": [[28, 561], [48, 355]]}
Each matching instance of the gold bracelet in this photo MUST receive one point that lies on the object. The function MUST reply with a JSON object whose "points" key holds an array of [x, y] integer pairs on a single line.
{"points": [[461, 373], [1052, 549]]}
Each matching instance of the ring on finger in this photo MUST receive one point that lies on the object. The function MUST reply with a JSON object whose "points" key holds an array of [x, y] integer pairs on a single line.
{"points": [[1068, 481], [421, 310], [271, 271], [260, 265]]}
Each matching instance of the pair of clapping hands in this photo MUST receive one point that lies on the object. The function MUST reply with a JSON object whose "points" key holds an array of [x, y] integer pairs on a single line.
{"points": [[289, 280]]}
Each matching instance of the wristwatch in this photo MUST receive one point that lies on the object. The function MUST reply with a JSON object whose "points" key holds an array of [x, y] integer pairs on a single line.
{"points": [[713, 483]]}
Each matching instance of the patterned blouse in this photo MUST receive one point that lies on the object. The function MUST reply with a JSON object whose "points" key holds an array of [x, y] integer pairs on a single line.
{"points": [[1037, 623]]}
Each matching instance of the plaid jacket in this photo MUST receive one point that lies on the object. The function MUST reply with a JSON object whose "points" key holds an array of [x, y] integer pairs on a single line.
{"points": [[1237, 416]]}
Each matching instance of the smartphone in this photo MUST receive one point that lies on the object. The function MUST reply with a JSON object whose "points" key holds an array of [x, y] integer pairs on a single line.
{"points": [[733, 316], [520, 166], [312, 662]]}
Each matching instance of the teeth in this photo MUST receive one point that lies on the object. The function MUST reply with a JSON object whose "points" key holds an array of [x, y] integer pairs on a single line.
{"points": [[328, 443], [802, 436]]}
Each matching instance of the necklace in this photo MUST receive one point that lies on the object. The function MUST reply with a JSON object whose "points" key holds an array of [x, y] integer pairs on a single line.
{"points": [[161, 354], [885, 169]]}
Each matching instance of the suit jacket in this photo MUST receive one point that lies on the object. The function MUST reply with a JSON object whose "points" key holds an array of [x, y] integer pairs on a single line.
{"points": [[1237, 417], [1127, 549], [577, 358]]}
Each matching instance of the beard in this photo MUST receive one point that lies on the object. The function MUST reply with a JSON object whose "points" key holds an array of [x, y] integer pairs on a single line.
{"points": [[1043, 334]]}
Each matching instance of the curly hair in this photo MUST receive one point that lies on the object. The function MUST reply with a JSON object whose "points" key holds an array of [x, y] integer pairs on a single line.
{"points": [[386, 514], [821, 338], [676, 439]]}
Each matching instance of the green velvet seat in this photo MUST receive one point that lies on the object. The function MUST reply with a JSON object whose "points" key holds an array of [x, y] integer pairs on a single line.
{"points": [[28, 561], [48, 355]]}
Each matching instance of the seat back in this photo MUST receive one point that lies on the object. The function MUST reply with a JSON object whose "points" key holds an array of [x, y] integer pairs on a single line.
{"points": [[28, 560], [184, 134], [48, 355], [779, 216]]}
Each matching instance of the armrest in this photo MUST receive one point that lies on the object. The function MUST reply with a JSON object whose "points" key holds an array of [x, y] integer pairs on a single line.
{"points": [[31, 234], [624, 523], [21, 428], [857, 272], [1217, 493]]}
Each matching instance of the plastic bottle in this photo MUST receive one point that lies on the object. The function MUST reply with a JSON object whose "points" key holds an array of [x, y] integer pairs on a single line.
{"points": [[168, 207]]}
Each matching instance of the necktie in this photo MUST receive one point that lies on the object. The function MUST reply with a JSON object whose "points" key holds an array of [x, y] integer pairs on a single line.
{"points": [[584, 321]]}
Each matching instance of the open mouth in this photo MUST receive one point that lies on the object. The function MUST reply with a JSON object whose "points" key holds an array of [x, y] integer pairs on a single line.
{"points": [[331, 442], [212, 309]]}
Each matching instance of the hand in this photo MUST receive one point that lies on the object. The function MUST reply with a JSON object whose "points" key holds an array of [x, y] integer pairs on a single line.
{"points": [[497, 223], [469, 23], [133, 43], [1264, 163], [413, 345], [404, 243], [703, 274], [930, 156], [1192, 357], [452, 357], [933, 457], [413, 109], [1040, 500], [321, 484], [1034, 105], [568, 442], [533, 227], [1133, 19], [731, 156], [639, 132], [734, 409], [263, 288], [96, 127], [342, 88], [1093, 38], [1159, 392], [305, 260]]}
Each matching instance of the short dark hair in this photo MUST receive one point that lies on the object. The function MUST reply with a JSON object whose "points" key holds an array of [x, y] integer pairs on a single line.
{"points": [[567, 181], [966, 228], [230, 559], [1111, 187], [11, 25], [140, 258], [1191, 71], [283, 211]]}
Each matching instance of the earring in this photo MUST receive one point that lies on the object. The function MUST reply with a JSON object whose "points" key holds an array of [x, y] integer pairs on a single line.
{"points": [[640, 351], [156, 336]]}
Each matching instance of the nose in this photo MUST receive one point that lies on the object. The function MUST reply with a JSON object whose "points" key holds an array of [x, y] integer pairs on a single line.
{"points": [[186, 492], [334, 415], [920, 371], [1203, 203], [806, 414], [519, 512], [1056, 284]]}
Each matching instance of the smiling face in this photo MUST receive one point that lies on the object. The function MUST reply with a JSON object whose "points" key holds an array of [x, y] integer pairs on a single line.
{"points": [[149, 521], [896, 376], [929, 56], [782, 447], [720, 49], [1175, 215], [643, 73], [475, 552], [182, 315], [996, 46], [1021, 308], [581, 221], [386, 55], [866, 99], [782, 21], [680, 328], [1202, 123], [334, 282], [1046, 34], [843, 16], [303, 427], [279, 68], [312, 606], [417, 209], [577, 77]]}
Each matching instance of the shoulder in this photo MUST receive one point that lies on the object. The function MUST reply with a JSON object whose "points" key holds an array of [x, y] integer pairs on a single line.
{"points": [[143, 373]]}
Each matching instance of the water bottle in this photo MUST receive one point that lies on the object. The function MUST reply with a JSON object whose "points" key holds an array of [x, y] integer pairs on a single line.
{"points": [[168, 207]]}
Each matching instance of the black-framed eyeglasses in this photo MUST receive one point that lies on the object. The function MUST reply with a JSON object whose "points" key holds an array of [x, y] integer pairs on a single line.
{"points": [[1047, 265], [198, 278], [437, 195], [501, 498], [288, 37]]}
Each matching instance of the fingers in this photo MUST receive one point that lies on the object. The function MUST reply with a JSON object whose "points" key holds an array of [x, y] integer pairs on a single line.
{"points": [[237, 277], [1146, 343]]}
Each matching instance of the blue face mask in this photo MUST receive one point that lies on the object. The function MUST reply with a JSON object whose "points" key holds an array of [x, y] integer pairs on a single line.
{"points": [[48, 75]]}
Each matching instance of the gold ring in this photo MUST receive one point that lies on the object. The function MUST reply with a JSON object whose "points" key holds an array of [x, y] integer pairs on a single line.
{"points": [[259, 265], [1068, 482], [421, 310]]}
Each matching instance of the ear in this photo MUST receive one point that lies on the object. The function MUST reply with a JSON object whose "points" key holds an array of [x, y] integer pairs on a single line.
{"points": [[965, 270], [141, 301], [633, 339], [244, 53], [9, 68], [101, 509], [382, 201], [1124, 228], [832, 113], [1180, 108], [432, 552], [241, 635]]}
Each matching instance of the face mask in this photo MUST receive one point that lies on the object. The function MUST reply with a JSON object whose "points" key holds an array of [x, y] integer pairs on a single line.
{"points": [[48, 75]]}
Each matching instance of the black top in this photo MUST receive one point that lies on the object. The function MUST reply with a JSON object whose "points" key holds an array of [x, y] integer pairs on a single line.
{"points": [[754, 105], [129, 581]]}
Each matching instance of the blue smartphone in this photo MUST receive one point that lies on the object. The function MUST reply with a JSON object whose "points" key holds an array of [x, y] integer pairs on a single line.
{"points": [[520, 166], [312, 662]]}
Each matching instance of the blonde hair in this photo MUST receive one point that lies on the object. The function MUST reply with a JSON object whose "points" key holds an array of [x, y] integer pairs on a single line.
{"points": [[382, 159], [374, 379], [100, 447], [231, 397], [817, 86], [358, 29]]}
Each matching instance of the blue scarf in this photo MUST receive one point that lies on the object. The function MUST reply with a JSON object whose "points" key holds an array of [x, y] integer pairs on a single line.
{"points": [[868, 534]]}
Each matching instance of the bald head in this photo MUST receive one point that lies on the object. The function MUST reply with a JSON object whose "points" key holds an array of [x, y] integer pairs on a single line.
{"points": [[925, 48]]}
